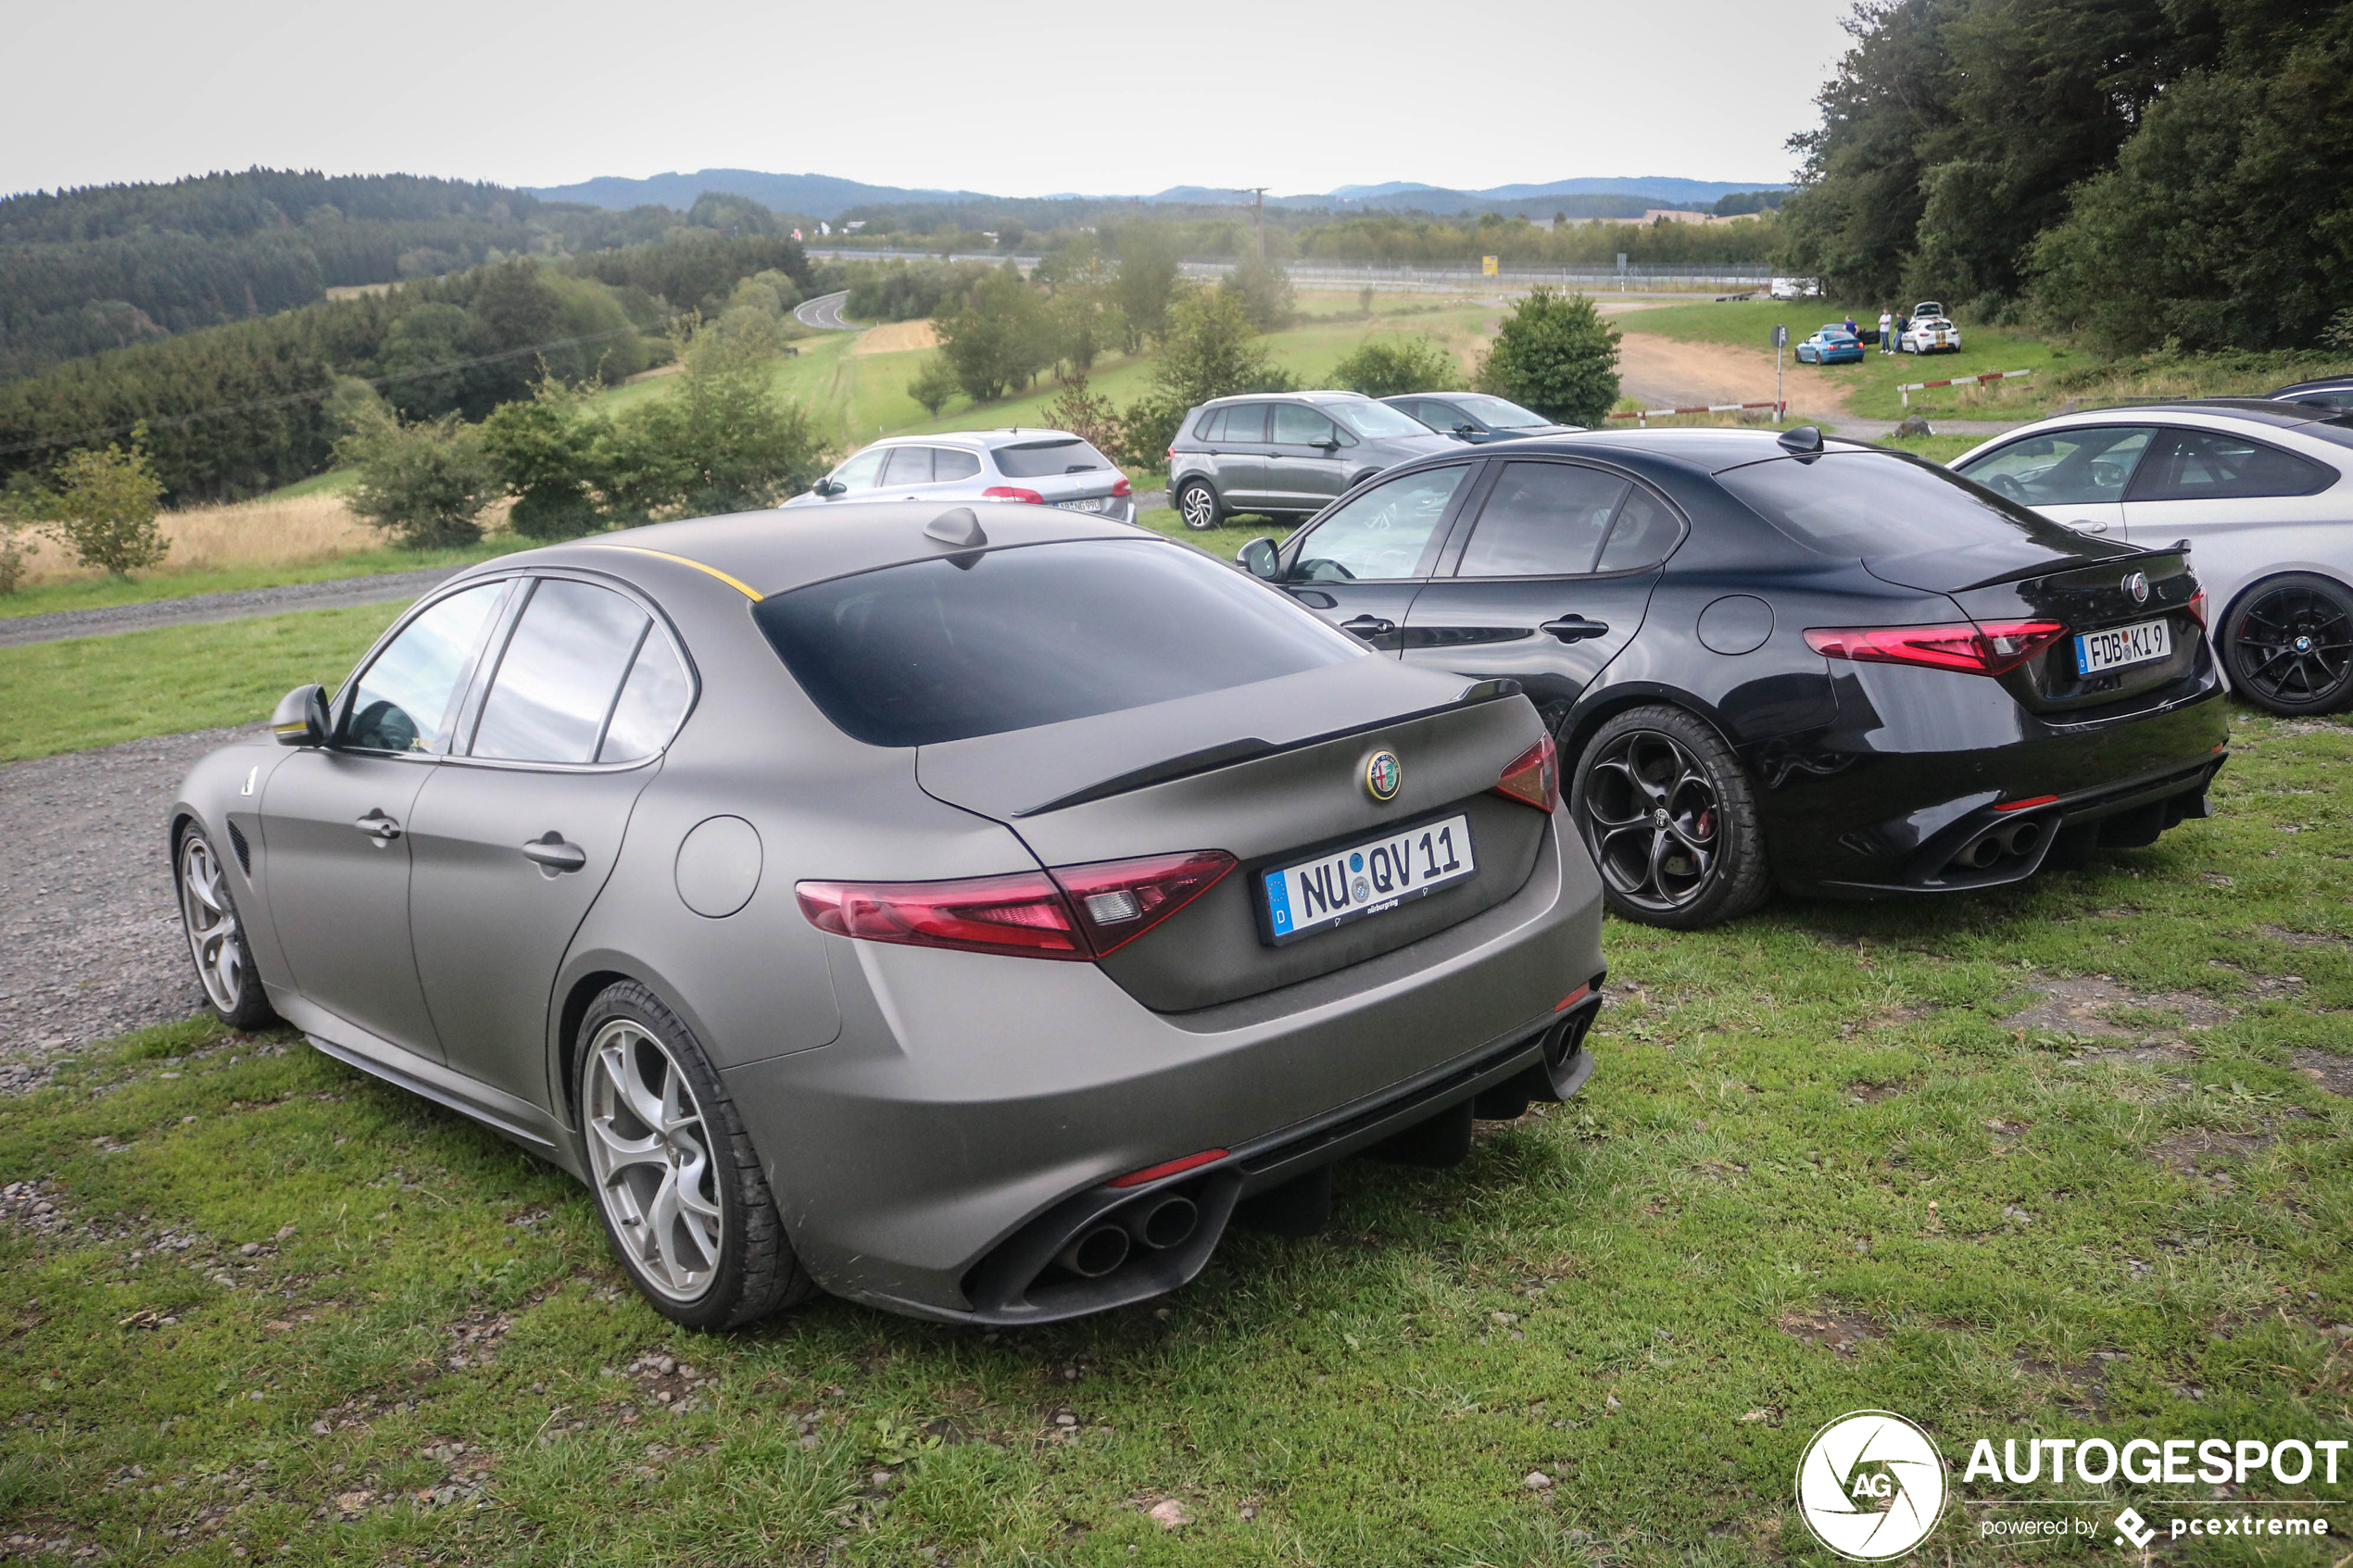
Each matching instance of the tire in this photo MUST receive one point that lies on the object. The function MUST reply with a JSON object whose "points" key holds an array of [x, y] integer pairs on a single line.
{"points": [[721, 1259], [1198, 506], [1670, 818], [2288, 644], [217, 935]]}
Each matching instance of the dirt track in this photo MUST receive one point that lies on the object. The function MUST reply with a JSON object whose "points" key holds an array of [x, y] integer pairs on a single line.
{"points": [[1663, 372]]}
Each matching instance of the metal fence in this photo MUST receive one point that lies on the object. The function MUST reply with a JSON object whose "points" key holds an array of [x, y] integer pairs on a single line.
{"points": [[1402, 280]]}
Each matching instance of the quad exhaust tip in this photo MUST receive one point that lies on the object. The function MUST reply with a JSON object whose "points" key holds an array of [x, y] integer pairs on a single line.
{"points": [[1160, 1225], [1095, 1251], [1153, 1224], [2010, 840]]}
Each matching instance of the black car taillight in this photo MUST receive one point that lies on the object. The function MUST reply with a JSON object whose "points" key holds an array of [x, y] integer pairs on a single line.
{"points": [[1534, 776], [1995, 648], [1085, 912]]}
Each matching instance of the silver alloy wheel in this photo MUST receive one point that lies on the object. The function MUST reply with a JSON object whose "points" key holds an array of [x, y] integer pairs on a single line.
{"points": [[650, 1151], [1200, 506], [1653, 821], [211, 922]]}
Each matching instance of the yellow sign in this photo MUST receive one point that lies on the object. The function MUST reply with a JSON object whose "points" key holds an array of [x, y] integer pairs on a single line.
{"points": [[1487, 265]]}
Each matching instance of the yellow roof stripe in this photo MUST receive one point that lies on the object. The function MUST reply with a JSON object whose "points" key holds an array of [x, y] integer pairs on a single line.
{"points": [[746, 589]]}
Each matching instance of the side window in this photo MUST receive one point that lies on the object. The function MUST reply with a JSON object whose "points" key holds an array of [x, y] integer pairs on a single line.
{"points": [[908, 465], [1382, 534], [1298, 425], [2206, 465], [652, 701], [949, 462], [408, 699], [1243, 421], [1442, 415], [1542, 519], [862, 471], [556, 680], [1645, 535], [2080, 467]]}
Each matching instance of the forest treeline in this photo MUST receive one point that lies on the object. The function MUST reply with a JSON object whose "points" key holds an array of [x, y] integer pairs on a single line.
{"points": [[2145, 171]]}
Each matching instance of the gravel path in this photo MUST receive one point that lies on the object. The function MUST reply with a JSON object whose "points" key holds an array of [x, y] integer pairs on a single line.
{"points": [[90, 944], [387, 588]]}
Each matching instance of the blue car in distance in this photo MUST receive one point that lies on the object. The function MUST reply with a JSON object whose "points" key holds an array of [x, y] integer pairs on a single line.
{"points": [[1832, 346]]}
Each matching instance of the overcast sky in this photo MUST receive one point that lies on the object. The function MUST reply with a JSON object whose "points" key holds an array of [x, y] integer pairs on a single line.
{"points": [[1015, 99]]}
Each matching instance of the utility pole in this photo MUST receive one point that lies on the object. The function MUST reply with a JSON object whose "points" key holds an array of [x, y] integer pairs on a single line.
{"points": [[1258, 204]]}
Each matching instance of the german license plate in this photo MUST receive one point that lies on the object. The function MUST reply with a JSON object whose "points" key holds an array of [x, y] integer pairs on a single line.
{"points": [[2120, 645], [1366, 879], [1092, 504]]}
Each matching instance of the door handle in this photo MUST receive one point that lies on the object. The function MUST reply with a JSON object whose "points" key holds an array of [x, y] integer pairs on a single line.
{"points": [[552, 854], [2089, 525], [378, 826], [1368, 626], [1575, 628]]}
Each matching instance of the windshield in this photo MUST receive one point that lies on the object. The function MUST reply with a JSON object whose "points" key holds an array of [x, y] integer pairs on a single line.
{"points": [[980, 643], [1496, 413], [1036, 459], [1863, 505], [1374, 420]]}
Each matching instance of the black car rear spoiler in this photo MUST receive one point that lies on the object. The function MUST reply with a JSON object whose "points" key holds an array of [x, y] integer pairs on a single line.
{"points": [[2178, 548], [1250, 748]]}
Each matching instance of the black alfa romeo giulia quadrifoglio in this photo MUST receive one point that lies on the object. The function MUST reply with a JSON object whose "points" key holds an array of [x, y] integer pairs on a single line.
{"points": [[1780, 659]]}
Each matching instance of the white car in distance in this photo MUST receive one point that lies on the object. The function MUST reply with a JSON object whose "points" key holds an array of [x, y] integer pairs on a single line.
{"points": [[2256, 487], [1929, 334], [1047, 467]]}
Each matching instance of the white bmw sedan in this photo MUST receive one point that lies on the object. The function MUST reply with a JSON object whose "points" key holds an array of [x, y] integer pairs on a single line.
{"points": [[2259, 490], [1047, 467]]}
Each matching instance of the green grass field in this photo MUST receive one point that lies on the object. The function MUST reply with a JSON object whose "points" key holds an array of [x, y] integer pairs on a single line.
{"points": [[2056, 1161], [92, 593], [95, 691]]}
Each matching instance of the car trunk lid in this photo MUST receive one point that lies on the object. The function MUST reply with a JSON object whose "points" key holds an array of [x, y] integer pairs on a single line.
{"points": [[2119, 594]]}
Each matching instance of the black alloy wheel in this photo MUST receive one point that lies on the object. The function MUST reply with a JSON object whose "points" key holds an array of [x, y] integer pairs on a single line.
{"points": [[1198, 505], [1671, 821], [2289, 644]]}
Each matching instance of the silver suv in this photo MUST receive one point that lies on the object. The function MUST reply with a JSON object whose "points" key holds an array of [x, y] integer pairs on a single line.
{"points": [[1286, 454], [1049, 468]]}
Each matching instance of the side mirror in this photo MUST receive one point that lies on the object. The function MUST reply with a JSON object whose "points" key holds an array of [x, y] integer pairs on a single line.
{"points": [[827, 487], [1329, 443], [1258, 559], [301, 718]]}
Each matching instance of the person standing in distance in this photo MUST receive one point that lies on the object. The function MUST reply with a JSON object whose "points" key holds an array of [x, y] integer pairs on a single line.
{"points": [[1887, 333]]}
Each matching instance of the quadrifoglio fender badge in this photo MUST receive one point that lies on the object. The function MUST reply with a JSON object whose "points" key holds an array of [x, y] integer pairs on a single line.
{"points": [[1384, 776]]}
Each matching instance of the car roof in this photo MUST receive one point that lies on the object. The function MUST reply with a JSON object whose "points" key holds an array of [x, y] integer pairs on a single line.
{"points": [[765, 553], [2327, 383], [1703, 449], [2260, 410], [980, 440], [1322, 396]]}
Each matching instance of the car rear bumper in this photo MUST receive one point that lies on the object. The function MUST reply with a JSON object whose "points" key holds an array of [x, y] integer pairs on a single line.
{"points": [[976, 1107], [1900, 804]]}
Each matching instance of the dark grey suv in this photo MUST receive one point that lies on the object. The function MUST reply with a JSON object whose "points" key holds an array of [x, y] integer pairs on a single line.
{"points": [[1286, 454]]}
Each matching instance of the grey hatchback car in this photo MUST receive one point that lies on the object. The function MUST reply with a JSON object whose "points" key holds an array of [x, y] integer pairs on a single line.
{"points": [[970, 912], [1286, 455]]}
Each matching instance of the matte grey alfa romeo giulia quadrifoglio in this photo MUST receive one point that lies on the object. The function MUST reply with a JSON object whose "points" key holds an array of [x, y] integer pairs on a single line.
{"points": [[972, 913]]}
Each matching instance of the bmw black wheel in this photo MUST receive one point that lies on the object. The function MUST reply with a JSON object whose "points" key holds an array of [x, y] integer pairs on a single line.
{"points": [[1198, 505], [1670, 818], [2289, 644], [676, 1180]]}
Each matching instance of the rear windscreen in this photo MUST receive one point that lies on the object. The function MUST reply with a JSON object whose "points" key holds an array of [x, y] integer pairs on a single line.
{"points": [[1867, 504], [1036, 459], [976, 645]]}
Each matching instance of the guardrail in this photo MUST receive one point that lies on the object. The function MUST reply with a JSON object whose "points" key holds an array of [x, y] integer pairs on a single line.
{"points": [[1644, 416], [1404, 280], [1906, 390]]}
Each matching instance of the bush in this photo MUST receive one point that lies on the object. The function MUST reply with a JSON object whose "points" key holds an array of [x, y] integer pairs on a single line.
{"points": [[1555, 355], [546, 453], [424, 483], [1087, 415], [106, 508], [1383, 367], [1210, 350], [934, 385], [720, 442], [997, 337]]}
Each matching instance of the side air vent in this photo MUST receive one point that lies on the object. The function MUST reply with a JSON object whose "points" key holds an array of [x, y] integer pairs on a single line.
{"points": [[245, 850]]}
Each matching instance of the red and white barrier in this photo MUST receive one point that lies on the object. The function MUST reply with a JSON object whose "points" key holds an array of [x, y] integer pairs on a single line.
{"points": [[1646, 415], [1957, 381]]}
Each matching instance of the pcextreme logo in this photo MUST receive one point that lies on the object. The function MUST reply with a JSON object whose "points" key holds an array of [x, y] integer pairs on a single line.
{"points": [[1871, 1486]]}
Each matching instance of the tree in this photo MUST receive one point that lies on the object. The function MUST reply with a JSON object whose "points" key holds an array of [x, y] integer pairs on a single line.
{"points": [[1210, 349], [1082, 313], [1555, 355], [105, 506], [425, 482], [549, 453], [1386, 366], [1263, 290], [720, 442], [997, 337], [1149, 265], [934, 384], [1087, 415]]}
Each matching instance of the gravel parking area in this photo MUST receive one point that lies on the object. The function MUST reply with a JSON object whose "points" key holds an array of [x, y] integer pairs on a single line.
{"points": [[385, 588], [90, 941]]}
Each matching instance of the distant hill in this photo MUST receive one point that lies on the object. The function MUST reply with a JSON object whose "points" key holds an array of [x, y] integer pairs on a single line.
{"points": [[822, 196]]}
